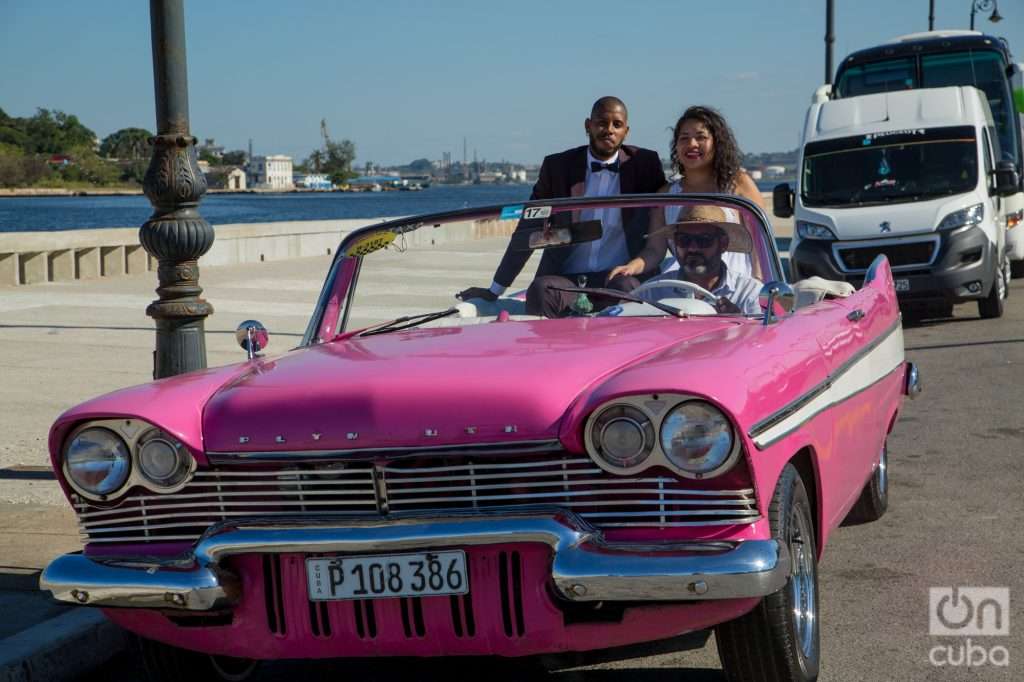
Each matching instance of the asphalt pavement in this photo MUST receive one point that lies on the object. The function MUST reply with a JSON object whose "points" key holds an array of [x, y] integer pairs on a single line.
{"points": [[956, 464]]}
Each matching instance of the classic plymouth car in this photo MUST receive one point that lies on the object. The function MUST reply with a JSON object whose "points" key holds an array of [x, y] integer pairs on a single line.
{"points": [[474, 480]]}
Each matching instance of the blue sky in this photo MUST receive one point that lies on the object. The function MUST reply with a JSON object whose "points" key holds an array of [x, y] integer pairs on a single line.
{"points": [[406, 79]]}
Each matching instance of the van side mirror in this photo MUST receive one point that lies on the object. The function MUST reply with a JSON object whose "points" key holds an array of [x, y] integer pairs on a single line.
{"points": [[782, 201], [1007, 179]]}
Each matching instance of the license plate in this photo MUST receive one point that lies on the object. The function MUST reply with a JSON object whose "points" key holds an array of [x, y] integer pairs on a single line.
{"points": [[901, 284], [387, 575]]}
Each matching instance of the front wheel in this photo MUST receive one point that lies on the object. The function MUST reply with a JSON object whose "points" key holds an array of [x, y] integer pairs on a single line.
{"points": [[992, 305], [780, 640]]}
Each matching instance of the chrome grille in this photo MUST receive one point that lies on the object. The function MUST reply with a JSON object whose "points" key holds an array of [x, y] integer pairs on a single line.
{"points": [[605, 500]]}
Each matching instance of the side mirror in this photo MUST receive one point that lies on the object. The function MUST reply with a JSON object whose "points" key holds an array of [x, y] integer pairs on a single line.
{"points": [[782, 201], [252, 336], [1007, 179], [776, 298]]}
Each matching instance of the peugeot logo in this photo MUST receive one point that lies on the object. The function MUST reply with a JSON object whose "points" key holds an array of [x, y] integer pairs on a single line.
{"points": [[885, 227]]}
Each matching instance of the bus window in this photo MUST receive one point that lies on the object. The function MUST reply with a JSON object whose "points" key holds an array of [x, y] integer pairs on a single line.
{"points": [[885, 76], [985, 70]]}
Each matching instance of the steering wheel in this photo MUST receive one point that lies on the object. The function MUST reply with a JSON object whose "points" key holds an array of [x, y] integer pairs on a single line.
{"points": [[695, 289]]}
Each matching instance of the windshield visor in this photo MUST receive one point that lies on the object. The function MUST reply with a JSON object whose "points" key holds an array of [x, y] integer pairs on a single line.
{"points": [[901, 166]]}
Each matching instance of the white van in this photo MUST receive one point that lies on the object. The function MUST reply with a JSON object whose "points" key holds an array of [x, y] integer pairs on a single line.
{"points": [[908, 174]]}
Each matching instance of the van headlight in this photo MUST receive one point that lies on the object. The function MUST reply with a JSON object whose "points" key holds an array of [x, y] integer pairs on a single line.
{"points": [[97, 461], [972, 215], [698, 439], [814, 231]]}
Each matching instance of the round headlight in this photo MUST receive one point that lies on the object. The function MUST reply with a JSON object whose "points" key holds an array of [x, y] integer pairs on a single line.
{"points": [[97, 461], [162, 461], [697, 438], [623, 436]]}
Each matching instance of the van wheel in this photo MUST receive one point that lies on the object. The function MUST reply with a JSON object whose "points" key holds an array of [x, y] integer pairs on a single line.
{"points": [[1016, 269], [992, 305], [780, 638], [874, 498]]}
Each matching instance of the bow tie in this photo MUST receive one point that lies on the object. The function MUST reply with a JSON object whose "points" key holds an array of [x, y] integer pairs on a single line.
{"points": [[597, 166]]}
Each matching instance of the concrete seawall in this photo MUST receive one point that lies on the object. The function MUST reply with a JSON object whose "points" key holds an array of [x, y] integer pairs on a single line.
{"points": [[68, 255], [61, 256]]}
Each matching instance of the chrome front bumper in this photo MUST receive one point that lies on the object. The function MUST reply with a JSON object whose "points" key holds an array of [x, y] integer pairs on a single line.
{"points": [[585, 566]]}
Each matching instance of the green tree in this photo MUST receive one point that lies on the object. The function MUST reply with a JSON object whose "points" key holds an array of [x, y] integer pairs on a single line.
{"points": [[130, 144], [421, 166], [237, 157], [334, 159], [54, 132]]}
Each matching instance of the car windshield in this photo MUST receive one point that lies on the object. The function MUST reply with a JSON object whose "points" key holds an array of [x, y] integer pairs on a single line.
{"points": [[402, 275], [905, 165]]}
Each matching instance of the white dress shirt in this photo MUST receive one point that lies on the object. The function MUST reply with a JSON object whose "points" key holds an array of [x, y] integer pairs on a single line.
{"points": [[610, 250]]}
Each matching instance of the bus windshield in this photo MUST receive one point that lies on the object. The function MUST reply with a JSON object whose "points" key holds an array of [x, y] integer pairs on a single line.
{"points": [[984, 69], [906, 165]]}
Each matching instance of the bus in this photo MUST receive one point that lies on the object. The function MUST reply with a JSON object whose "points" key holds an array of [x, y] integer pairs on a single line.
{"points": [[938, 59]]}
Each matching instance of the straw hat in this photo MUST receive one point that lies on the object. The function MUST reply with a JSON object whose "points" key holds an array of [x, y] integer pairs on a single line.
{"points": [[726, 219]]}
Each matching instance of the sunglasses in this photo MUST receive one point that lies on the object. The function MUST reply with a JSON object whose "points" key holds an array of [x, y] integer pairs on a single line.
{"points": [[701, 241]]}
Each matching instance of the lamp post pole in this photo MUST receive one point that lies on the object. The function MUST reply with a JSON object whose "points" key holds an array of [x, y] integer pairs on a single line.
{"points": [[176, 235], [830, 38], [931, 15]]}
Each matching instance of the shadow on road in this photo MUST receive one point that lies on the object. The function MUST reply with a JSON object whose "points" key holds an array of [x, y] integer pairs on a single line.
{"points": [[962, 344]]}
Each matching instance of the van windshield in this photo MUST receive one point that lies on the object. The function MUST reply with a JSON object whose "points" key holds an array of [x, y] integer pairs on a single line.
{"points": [[903, 165], [984, 69]]}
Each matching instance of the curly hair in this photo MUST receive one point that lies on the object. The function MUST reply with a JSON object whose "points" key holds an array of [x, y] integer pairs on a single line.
{"points": [[726, 161]]}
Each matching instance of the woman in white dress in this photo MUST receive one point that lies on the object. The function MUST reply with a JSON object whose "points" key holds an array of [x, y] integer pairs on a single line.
{"points": [[706, 158]]}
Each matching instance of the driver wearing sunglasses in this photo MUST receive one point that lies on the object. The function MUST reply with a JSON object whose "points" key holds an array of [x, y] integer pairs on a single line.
{"points": [[703, 233]]}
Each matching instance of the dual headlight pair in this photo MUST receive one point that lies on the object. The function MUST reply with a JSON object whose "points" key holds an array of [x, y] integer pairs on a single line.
{"points": [[688, 436], [104, 457]]}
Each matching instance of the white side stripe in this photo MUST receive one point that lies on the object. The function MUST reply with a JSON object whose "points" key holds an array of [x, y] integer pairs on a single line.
{"points": [[878, 363]]}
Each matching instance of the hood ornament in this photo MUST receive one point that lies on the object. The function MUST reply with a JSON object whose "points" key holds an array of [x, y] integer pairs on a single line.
{"points": [[885, 227]]}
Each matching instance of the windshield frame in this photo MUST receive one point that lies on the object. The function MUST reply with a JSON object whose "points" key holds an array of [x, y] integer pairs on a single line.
{"points": [[344, 270]]}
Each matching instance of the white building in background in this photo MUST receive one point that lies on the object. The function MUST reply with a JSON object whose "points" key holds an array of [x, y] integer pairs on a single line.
{"points": [[236, 179], [270, 172], [312, 181], [774, 171]]}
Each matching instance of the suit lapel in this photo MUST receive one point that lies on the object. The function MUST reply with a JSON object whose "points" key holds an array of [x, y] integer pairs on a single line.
{"points": [[578, 173], [627, 172]]}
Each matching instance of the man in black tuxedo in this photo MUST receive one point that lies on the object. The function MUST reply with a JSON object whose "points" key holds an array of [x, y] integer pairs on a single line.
{"points": [[604, 167]]}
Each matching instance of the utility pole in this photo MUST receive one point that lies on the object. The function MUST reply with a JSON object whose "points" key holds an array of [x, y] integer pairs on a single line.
{"points": [[830, 38], [176, 235], [931, 15]]}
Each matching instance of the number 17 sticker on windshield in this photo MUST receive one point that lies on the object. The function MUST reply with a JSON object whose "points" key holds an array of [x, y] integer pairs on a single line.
{"points": [[389, 575]]}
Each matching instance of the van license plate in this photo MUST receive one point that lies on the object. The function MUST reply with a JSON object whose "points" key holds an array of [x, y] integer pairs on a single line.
{"points": [[901, 284], [388, 575]]}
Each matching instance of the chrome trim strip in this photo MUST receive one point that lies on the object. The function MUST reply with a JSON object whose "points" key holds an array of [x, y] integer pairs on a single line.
{"points": [[584, 566], [830, 382], [522, 447]]}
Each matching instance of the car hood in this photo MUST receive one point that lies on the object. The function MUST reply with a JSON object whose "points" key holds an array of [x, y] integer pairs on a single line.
{"points": [[506, 381]]}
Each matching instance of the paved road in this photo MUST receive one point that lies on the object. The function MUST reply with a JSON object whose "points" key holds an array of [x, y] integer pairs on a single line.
{"points": [[957, 461]]}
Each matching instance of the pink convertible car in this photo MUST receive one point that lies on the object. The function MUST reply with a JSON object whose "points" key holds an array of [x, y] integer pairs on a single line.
{"points": [[479, 481]]}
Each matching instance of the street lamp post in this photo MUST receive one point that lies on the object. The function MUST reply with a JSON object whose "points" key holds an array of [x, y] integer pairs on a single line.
{"points": [[176, 235], [984, 6]]}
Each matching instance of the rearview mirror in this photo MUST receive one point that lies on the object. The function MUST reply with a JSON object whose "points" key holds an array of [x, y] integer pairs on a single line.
{"points": [[1007, 179], [782, 201], [776, 298], [552, 236]]}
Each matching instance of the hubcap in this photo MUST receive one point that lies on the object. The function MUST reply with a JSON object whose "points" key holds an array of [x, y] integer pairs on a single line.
{"points": [[801, 584]]}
